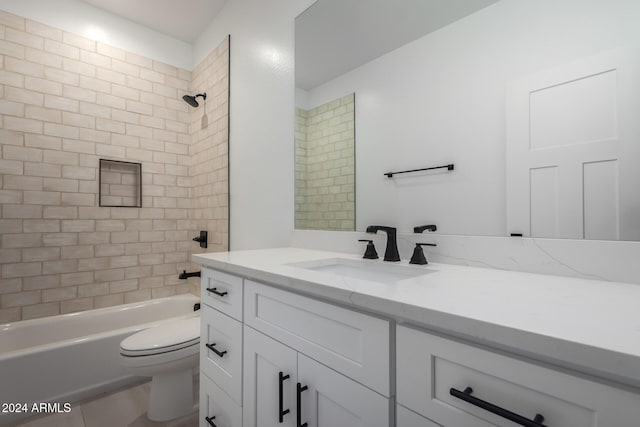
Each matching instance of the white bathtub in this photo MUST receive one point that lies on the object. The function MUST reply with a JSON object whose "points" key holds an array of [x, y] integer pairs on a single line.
{"points": [[70, 357]]}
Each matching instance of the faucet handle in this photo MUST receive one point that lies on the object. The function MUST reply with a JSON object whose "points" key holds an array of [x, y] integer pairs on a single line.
{"points": [[418, 254], [370, 252]]}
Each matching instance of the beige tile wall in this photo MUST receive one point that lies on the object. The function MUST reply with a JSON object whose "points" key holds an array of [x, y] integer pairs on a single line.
{"points": [[325, 166], [65, 102], [209, 150]]}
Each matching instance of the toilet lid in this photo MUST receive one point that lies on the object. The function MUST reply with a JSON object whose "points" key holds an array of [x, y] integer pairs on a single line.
{"points": [[163, 338]]}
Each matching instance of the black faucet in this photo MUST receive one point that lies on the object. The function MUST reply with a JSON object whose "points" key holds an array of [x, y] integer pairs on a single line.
{"points": [[422, 228], [184, 275], [391, 253]]}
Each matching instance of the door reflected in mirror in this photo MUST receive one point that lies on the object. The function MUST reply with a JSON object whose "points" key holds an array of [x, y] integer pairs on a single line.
{"points": [[325, 166]]}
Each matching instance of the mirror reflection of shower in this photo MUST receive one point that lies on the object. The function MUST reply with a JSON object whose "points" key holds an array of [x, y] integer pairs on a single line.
{"points": [[192, 100]]}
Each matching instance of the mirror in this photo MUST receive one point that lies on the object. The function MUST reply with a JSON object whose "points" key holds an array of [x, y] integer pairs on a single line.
{"points": [[443, 82]]}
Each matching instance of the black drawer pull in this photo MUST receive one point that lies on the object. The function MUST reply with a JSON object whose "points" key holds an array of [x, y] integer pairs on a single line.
{"points": [[215, 291], [301, 388], [501, 412], [213, 348], [281, 412], [210, 421]]}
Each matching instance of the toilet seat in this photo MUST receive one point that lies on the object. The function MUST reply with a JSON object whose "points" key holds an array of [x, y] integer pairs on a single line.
{"points": [[179, 335]]}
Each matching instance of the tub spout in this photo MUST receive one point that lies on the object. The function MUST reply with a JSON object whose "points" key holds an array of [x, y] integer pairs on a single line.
{"points": [[184, 275]]}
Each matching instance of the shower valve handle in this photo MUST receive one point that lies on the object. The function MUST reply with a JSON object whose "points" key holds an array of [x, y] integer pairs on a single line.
{"points": [[201, 238]]}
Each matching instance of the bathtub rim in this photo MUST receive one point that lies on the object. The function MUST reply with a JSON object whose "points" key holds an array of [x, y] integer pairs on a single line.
{"points": [[99, 335]]}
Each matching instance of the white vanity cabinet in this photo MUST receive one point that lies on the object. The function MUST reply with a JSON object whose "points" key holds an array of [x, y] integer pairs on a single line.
{"points": [[447, 382], [220, 349], [288, 360], [269, 356]]}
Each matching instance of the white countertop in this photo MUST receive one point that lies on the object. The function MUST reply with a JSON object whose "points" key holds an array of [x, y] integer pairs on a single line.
{"points": [[589, 325]]}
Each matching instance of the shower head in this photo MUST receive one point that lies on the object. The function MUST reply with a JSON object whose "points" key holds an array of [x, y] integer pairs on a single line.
{"points": [[191, 100]]}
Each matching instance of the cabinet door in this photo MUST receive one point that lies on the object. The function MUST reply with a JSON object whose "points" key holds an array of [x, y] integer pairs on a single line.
{"points": [[264, 361], [333, 400]]}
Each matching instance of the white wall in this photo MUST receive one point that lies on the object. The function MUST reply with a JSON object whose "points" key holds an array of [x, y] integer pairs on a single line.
{"points": [[441, 99], [262, 116], [81, 18]]}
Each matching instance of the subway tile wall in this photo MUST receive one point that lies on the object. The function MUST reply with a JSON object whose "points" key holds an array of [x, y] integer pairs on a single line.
{"points": [[325, 166], [209, 149], [67, 101]]}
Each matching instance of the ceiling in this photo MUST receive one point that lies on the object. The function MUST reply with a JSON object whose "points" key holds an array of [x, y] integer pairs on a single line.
{"points": [[182, 19], [336, 36]]}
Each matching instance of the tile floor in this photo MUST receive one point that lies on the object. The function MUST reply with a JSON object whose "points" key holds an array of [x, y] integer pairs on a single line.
{"points": [[122, 408]]}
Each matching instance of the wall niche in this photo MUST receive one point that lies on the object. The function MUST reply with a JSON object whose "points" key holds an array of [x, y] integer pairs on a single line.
{"points": [[120, 184]]}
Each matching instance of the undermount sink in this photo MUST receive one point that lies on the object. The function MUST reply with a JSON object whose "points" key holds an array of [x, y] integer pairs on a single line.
{"points": [[375, 271]]}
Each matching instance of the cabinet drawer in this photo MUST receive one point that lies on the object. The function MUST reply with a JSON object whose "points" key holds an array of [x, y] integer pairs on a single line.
{"points": [[225, 369], [352, 343], [407, 418], [429, 367], [224, 294], [215, 403]]}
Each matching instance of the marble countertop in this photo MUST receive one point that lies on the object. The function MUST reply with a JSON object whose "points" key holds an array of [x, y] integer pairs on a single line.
{"points": [[589, 325]]}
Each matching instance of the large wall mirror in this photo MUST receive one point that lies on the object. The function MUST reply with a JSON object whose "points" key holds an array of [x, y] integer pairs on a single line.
{"points": [[535, 103]]}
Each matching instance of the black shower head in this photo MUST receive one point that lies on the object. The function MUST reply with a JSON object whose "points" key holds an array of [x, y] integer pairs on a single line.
{"points": [[191, 100]]}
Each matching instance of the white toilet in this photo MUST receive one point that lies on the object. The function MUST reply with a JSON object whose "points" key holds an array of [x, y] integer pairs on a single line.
{"points": [[168, 353]]}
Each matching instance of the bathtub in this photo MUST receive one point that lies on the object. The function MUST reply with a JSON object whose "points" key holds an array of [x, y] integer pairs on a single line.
{"points": [[71, 357]]}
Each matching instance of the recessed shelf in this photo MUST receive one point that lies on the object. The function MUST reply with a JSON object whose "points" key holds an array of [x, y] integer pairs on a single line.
{"points": [[120, 184]]}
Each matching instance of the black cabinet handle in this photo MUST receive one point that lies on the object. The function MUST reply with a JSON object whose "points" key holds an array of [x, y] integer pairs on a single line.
{"points": [[281, 412], [213, 348], [215, 291], [301, 388], [494, 409], [210, 421]]}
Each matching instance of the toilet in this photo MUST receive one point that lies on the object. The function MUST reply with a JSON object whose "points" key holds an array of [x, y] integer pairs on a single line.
{"points": [[168, 353]]}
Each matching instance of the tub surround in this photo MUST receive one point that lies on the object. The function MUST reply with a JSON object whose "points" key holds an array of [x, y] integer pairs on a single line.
{"points": [[209, 149], [68, 101], [578, 324]]}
